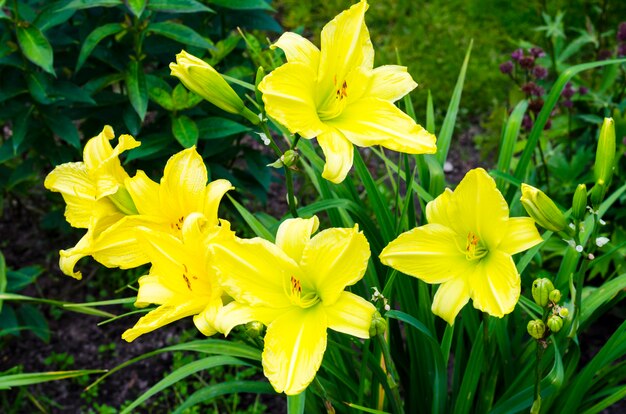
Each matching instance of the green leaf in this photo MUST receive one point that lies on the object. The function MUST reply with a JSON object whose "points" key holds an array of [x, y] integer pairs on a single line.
{"points": [[18, 380], [179, 33], [92, 40], [296, 403], [243, 4], [20, 127], [63, 127], [183, 372], [136, 6], [509, 138], [185, 130], [600, 296], [447, 128], [19, 279], [32, 318], [255, 225], [178, 6], [161, 97], [52, 15], [210, 392], [38, 87], [137, 88], [35, 47], [87, 4], [151, 145], [3, 277], [217, 127]]}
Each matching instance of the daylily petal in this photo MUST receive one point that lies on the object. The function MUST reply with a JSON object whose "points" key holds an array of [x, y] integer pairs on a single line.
{"points": [[298, 49], [254, 271], [372, 121], [183, 184], [480, 208], [214, 193], [333, 259], [205, 320], [236, 313], [495, 284], [288, 93], [152, 290], [145, 194], [294, 234], [346, 44], [161, 316], [450, 298], [390, 83], [294, 348], [350, 314], [339, 154], [429, 252], [437, 209], [521, 235]]}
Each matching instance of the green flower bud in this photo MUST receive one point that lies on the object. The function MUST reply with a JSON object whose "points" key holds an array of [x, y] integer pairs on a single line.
{"points": [[123, 201], [542, 209], [260, 74], [563, 312], [536, 328], [290, 158], [378, 326], [579, 205], [555, 296], [605, 153], [201, 78], [597, 193], [255, 329], [541, 291], [555, 323]]}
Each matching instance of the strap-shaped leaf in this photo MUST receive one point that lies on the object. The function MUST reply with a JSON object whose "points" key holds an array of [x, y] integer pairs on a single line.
{"points": [[137, 88]]}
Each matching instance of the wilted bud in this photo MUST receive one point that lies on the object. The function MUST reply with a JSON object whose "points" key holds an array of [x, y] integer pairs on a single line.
{"points": [[378, 326], [555, 323], [555, 296], [605, 154], [563, 312], [541, 291], [579, 204], [536, 328], [255, 329], [542, 209], [200, 77]]}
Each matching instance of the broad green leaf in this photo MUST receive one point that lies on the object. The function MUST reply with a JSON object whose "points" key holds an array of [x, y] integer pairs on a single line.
{"points": [[137, 88], [160, 92], [92, 40], [136, 6], [243, 4], [62, 126], [210, 392], [87, 4], [33, 319], [19, 279], [52, 16], [178, 6], [3, 277], [179, 33], [184, 372], [151, 146], [216, 127], [296, 403], [38, 87], [185, 130], [20, 127], [18, 380], [35, 47], [67, 91]]}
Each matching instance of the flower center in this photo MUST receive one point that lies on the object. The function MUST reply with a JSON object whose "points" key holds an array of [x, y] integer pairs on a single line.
{"points": [[304, 300], [178, 224], [341, 92], [187, 276], [474, 248]]}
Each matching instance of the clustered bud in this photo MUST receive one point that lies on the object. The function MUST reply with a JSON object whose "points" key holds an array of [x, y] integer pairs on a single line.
{"points": [[569, 91], [545, 295], [378, 325], [536, 328]]}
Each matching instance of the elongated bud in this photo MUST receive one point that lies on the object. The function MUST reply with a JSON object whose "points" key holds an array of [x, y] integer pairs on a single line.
{"points": [[555, 323], [605, 153], [597, 193], [378, 326], [555, 296], [536, 328], [260, 74], [541, 291], [200, 77], [579, 204], [542, 209]]}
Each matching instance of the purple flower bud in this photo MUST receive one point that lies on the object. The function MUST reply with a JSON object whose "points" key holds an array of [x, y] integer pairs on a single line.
{"points": [[604, 54], [568, 91], [527, 123], [537, 52], [506, 67], [568, 104], [517, 54], [539, 91], [535, 105], [621, 32], [583, 90], [529, 88], [540, 72], [621, 50], [527, 62]]}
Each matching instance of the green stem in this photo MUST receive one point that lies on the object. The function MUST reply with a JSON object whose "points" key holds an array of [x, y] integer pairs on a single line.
{"points": [[392, 374], [539, 354]]}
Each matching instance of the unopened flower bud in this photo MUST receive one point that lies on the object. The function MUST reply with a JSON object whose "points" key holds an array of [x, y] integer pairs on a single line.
{"points": [[542, 209], [579, 204], [536, 328], [378, 326], [541, 291], [507, 67], [255, 329], [517, 54], [201, 78], [260, 74], [597, 193], [563, 312], [555, 296], [290, 158], [605, 154], [540, 72], [555, 323]]}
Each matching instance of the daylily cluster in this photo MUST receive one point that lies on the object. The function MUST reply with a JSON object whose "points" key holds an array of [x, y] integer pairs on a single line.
{"points": [[297, 285]]}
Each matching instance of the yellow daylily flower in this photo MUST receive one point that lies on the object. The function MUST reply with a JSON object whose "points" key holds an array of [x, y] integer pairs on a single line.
{"points": [[163, 207], [181, 279], [467, 247], [337, 96], [296, 288]]}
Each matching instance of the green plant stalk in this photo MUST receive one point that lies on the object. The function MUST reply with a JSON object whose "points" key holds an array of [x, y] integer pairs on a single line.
{"points": [[541, 349], [392, 374]]}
